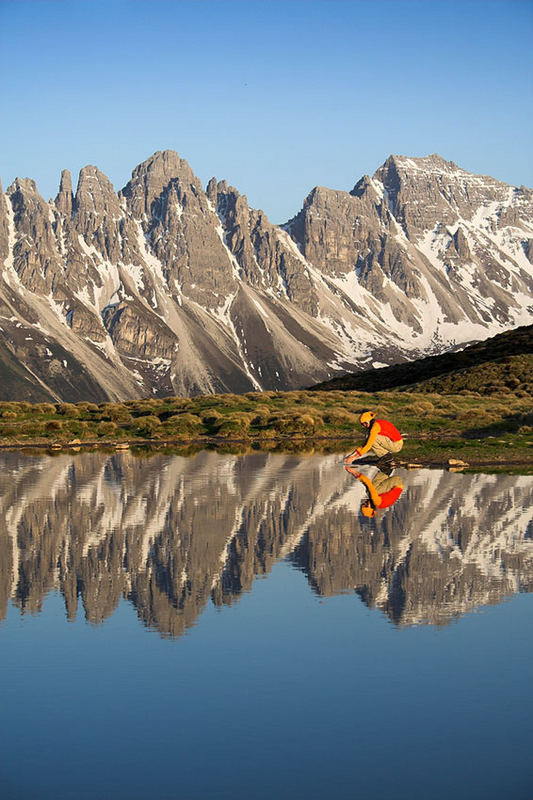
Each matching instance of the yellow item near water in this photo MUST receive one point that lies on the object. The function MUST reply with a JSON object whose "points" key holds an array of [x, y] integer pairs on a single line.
{"points": [[367, 417], [367, 510]]}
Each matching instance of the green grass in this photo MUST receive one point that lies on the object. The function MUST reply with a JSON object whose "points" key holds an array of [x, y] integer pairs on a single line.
{"points": [[435, 425]]}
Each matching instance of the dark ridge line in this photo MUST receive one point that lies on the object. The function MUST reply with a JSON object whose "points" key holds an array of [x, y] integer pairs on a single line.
{"points": [[509, 343]]}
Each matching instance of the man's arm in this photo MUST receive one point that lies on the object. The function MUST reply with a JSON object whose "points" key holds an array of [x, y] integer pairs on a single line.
{"points": [[372, 434], [374, 496]]}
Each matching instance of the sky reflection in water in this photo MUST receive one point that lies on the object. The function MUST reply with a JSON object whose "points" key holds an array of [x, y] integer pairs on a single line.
{"points": [[299, 689]]}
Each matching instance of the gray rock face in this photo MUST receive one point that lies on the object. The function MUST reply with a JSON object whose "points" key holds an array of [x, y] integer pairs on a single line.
{"points": [[180, 228], [4, 229], [425, 230], [166, 288], [65, 198], [36, 258]]}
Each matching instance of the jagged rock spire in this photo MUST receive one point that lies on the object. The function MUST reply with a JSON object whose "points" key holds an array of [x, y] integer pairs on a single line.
{"points": [[4, 229], [65, 197]]}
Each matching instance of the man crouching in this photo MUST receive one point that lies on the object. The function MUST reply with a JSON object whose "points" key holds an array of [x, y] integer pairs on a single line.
{"points": [[383, 439]]}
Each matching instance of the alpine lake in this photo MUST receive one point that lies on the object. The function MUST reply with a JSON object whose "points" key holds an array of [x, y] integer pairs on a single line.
{"points": [[222, 626]]}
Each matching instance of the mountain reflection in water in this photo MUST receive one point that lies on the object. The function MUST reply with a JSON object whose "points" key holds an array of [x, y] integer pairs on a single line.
{"points": [[169, 533]]}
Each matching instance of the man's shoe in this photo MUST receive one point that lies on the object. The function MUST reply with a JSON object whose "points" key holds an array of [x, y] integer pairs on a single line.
{"points": [[387, 469], [386, 463]]}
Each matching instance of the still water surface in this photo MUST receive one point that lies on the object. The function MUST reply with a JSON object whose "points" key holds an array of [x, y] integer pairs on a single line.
{"points": [[234, 627]]}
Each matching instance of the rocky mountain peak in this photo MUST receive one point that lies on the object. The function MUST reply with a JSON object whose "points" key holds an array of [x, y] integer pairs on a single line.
{"points": [[97, 212], [94, 192], [22, 185], [165, 163], [399, 173], [420, 190], [92, 182], [4, 228], [25, 198], [65, 198], [34, 250], [363, 185], [404, 166], [150, 179], [211, 191]]}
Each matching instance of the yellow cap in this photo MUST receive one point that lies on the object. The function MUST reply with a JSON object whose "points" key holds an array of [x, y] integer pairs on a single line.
{"points": [[367, 416], [367, 509]]}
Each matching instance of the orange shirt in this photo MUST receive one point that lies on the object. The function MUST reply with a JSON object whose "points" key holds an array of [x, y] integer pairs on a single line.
{"points": [[388, 498], [383, 427], [389, 430]]}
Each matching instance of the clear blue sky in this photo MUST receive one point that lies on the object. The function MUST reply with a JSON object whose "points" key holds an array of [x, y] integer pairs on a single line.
{"points": [[274, 97]]}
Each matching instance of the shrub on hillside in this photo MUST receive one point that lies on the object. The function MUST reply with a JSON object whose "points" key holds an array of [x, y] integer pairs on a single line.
{"points": [[182, 425], [418, 407], [117, 412], [231, 400], [54, 425], [287, 424], [305, 409], [33, 428], [175, 406], [341, 418], [7, 406], [67, 410], [233, 428], [146, 425], [88, 408], [212, 417], [140, 408], [266, 433], [260, 414], [472, 415], [8, 431], [299, 397], [45, 408], [235, 424], [81, 430], [106, 428]]}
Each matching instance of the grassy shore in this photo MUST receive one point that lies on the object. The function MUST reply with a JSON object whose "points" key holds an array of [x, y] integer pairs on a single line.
{"points": [[475, 428]]}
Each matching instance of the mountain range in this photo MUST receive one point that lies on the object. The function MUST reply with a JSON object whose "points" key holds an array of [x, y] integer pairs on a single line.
{"points": [[169, 288]]}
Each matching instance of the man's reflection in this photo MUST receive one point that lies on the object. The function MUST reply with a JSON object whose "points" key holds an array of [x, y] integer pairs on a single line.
{"points": [[383, 490]]}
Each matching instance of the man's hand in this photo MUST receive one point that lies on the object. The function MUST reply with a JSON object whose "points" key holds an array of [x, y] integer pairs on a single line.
{"points": [[351, 457], [352, 471]]}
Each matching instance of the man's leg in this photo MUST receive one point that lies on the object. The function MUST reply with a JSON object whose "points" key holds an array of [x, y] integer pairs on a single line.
{"points": [[384, 483], [383, 446]]}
